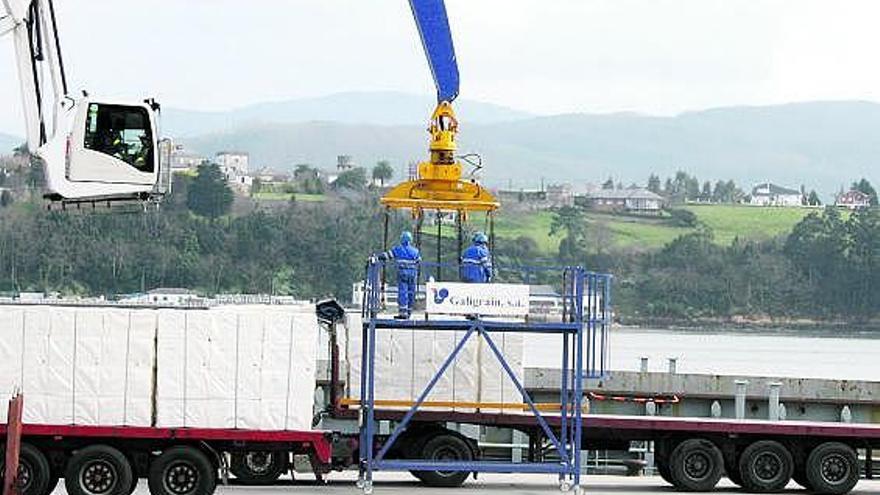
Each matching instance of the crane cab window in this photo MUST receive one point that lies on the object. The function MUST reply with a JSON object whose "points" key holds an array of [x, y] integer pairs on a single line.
{"points": [[122, 132]]}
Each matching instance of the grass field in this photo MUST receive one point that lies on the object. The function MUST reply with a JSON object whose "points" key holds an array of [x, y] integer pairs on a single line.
{"points": [[644, 233]]}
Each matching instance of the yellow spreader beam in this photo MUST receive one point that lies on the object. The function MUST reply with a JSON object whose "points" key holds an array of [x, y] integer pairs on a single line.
{"points": [[439, 185]]}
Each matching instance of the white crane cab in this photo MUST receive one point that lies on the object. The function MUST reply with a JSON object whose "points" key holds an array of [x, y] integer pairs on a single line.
{"points": [[93, 149], [109, 152]]}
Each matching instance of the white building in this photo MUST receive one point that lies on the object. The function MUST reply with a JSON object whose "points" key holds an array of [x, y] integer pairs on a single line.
{"points": [[767, 194], [167, 297], [235, 166]]}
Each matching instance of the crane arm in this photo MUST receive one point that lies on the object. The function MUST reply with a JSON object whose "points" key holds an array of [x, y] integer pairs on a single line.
{"points": [[40, 67], [433, 26]]}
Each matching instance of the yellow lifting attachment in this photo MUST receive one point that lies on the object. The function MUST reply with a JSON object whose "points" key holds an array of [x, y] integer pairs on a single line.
{"points": [[439, 185]]}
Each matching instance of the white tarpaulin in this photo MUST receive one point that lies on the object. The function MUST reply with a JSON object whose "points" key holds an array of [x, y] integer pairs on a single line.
{"points": [[406, 360], [249, 367], [78, 366], [237, 367], [455, 298]]}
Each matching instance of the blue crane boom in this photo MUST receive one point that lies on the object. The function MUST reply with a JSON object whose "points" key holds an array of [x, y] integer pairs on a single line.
{"points": [[433, 25]]}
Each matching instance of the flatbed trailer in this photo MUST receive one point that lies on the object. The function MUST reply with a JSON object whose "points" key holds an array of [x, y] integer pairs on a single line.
{"points": [[109, 460]]}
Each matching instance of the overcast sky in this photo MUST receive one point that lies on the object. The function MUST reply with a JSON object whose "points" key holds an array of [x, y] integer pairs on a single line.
{"points": [[544, 56]]}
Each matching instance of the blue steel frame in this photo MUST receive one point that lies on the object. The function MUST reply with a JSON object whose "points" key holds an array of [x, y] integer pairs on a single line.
{"points": [[586, 317]]}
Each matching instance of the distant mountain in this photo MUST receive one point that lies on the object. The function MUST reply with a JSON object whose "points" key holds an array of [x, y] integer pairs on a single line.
{"points": [[381, 108], [8, 143], [822, 145]]}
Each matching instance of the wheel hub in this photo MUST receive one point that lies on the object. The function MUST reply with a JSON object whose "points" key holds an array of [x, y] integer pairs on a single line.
{"points": [[181, 479], [98, 477], [697, 466], [767, 466], [259, 462], [835, 469], [446, 454]]}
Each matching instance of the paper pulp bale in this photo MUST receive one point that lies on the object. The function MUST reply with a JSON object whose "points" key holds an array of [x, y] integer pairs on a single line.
{"points": [[11, 351]]}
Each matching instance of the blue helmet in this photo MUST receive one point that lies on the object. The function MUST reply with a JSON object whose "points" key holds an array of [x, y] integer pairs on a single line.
{"points": [[406, 237], [480, 238]]}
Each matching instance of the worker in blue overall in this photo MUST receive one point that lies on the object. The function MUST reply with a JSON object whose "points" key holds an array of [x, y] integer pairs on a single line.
{"points": [[476, 262], [407, 257]]}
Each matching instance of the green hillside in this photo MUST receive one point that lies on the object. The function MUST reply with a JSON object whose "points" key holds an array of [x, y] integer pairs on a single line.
{"points": [[640, 233]]}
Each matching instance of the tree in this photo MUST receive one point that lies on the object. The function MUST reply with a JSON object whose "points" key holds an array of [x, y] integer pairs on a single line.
{"points": [[5, 198], [654, 184], [706, 194], [866, 187], [382, 172], [570, 220], [355, 179], [608, 184], [682, 218], [209, 195], [813, 199], [256, 186]]}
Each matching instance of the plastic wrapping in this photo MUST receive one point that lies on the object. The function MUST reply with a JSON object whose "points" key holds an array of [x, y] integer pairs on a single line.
{"points": [[244, 367], [406, 360]]}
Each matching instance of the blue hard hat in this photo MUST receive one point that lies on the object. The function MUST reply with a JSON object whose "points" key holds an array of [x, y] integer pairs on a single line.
{"points": [[480, 238], [406, 237]]}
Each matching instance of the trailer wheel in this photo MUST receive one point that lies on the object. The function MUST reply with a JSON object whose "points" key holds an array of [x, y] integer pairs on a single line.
{"points": [[696, 465], [98, 470], [445, 447], [258, 467], [765, 466], [34, 473], [182, 470], [832, 468]]}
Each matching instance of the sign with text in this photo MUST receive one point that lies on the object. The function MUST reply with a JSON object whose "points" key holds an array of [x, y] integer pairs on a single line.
{"points": [[455, 298]]}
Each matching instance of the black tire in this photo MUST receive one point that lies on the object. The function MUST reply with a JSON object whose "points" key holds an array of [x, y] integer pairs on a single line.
{"points": [[766, 466], [696, 465], [446, 447], [34, 472], [182, 470], [98, 470], [259, 467], [832, 468]]}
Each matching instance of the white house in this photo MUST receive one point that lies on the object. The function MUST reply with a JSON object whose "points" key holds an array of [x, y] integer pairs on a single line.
{"points": [[235, 166], [633, 200], [768, 194]]}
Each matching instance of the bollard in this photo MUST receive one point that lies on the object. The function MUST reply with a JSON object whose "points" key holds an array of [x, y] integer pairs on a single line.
{"points": [[773, 402], [740, 399], [673, 365], [643, 366]]}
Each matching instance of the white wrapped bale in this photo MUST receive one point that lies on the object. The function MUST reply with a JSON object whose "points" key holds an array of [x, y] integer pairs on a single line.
{"points": [[11, 351], [75, 365], [235, 367], [496, 385]]}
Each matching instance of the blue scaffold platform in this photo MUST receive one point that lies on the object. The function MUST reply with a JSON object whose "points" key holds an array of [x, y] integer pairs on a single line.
{"points": [[583, 321]]}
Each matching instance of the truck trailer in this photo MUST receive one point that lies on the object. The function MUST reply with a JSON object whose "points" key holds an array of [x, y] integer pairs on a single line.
{"points": [[439, 444]]}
